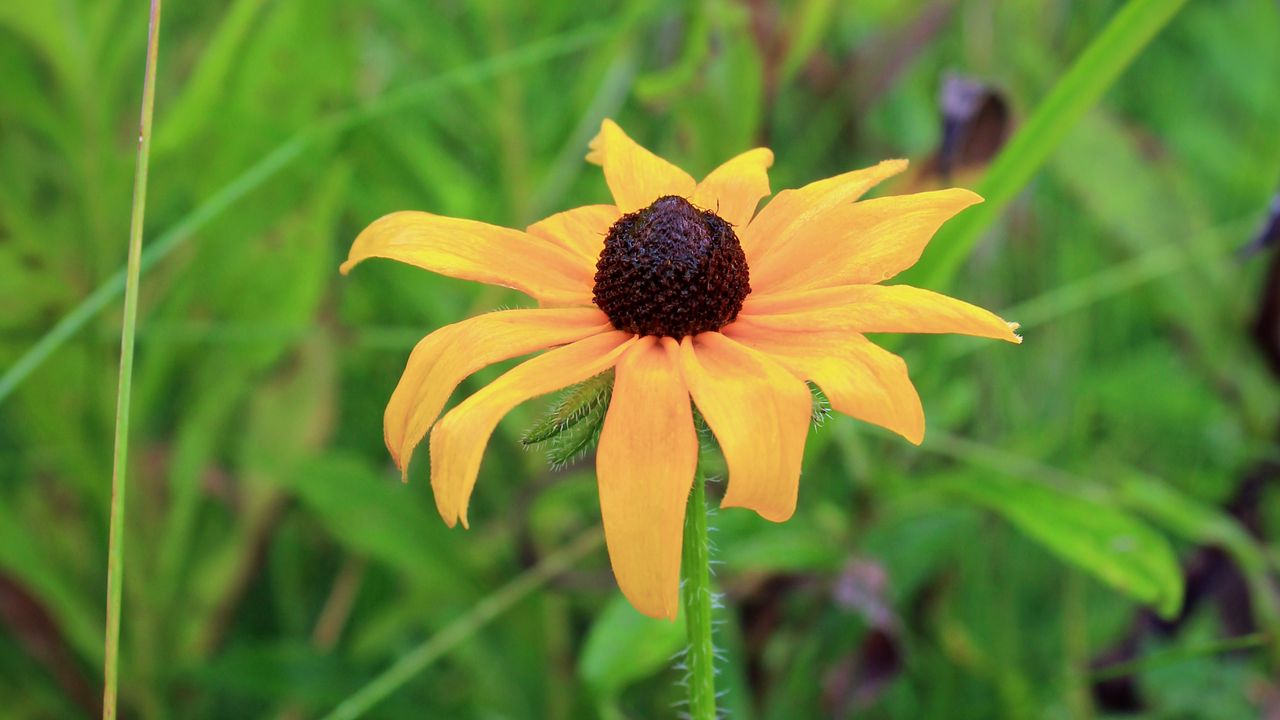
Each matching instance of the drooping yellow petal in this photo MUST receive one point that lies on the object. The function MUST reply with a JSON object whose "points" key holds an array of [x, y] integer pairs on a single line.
{"points": [[876, 309], [448, 355], [477, 251], [580, 230], [733, 190], [865, 242], [790, 210], [645, 464], [861, 379], [759, 413], [459, 439], [636, 177]]}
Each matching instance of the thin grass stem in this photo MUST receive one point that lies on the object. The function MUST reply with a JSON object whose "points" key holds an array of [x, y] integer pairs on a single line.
{"points": [[1177, 656], [273, 163], [457, 632], [119, 471]]}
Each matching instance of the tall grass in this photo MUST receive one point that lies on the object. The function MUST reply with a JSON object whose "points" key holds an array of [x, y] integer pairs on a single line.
{"points": [[276, 566], [120, 467]]}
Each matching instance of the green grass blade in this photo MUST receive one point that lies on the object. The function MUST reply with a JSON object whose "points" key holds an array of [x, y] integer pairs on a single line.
{"points": [[276, 161], [1081, 88], [115, 550], [457, 632], [1178, 655]]}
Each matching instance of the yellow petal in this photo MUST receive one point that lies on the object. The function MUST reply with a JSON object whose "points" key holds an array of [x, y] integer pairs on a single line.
{"points": [[866, 242], [459, 439], [636, 177], [861, 379], [477, 251], [447, 356], [733, 190], [580, 230], [790, 210], [645, 464], [876, 309], [759, 413]]}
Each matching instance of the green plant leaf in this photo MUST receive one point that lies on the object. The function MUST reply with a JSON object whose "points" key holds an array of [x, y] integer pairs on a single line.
{"points": [[369, 513], [1090, 76], [1206, 525], [1109, 543], [624, 646], [584, 402]]}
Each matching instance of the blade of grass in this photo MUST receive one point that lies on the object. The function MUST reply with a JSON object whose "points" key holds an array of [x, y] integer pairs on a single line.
{"points": [[1096, 70], [609, 96], [1178, 655], [457, 632], [119, 473], [277, 160]]}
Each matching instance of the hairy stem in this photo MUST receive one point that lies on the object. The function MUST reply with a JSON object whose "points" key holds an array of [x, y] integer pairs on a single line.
{"points": [[700, 658]]}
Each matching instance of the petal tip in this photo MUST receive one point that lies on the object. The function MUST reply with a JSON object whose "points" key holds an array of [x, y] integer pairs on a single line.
{"points": [[772, 514], [967, 197], [663, 612], [595, 148], [1014, 337]]}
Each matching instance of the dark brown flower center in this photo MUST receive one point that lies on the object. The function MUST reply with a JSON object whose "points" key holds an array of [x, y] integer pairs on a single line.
{"points": [[671, 270]]}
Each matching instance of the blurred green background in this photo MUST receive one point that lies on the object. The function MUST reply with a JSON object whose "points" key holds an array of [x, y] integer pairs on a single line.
{"points": [[1029, 560]]}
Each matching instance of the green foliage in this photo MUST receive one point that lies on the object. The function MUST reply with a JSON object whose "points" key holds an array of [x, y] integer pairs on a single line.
{"points": [[276, 565], [624, 646], [821, 406], [571, 427], [1101, 539]]}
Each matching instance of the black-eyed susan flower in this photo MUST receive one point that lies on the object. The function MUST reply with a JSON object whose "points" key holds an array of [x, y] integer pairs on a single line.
{"points": [[686, 293]]}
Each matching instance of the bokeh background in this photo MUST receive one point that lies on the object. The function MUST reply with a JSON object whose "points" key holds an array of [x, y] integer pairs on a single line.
{"points": [[1089, 530]]}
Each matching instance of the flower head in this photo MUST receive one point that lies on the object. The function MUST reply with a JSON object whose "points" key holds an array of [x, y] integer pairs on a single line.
{"points": [[686, 293]]}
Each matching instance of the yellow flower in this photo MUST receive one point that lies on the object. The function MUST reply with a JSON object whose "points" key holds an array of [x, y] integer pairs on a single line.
{"points": [[684, 291]]}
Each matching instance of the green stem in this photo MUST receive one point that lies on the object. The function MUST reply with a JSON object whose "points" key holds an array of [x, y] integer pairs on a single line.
{"points": [[700, 658], [115, 547]]}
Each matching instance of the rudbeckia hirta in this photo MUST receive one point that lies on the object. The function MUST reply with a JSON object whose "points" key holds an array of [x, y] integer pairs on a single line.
{"points": [[687, 293]]}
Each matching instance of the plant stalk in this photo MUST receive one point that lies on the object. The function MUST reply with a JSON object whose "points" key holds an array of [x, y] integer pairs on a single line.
{"points": [[115, 547], [700, 658]]}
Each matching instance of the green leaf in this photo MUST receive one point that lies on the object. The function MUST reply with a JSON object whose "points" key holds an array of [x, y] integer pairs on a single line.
{"points": [[624, 646], [23, 557], [572, 445], [805, 32], [821, 406], [1092, 74], [197, 106], [1206, 525], [571, 428], [375, 516], [584, 401], [1109, 543]]}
